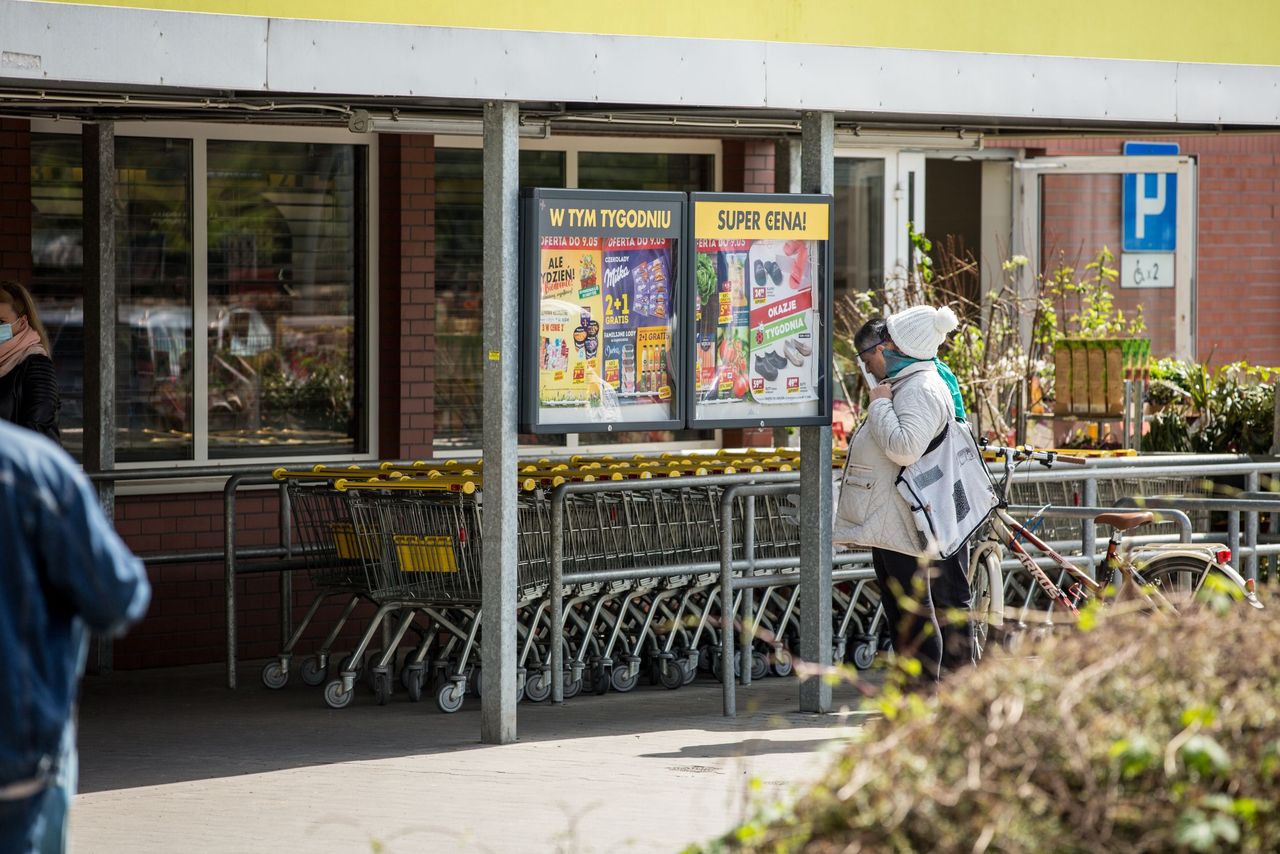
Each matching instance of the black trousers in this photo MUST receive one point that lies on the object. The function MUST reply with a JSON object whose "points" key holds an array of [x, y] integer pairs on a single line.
{"points": [[927, 607]]}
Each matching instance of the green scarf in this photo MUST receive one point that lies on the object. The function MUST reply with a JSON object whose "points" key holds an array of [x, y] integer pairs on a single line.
{"points": [[895, 362], [950, 379]]}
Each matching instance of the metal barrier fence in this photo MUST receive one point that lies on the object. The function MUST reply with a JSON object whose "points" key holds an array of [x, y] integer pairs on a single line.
{"points": [[1112, 477]]}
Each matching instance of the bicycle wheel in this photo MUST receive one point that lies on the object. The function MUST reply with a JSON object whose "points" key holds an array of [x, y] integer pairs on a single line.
{"points": [[986, 585], [1178, 578]]}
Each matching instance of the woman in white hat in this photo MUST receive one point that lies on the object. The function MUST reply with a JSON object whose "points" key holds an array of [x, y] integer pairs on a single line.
{"points": [[915, 398]]}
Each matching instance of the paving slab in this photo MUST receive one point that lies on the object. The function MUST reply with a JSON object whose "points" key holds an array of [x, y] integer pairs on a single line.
{"points": [[171, 761]]}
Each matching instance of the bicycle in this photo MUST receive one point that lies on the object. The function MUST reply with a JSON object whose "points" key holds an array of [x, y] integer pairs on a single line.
{"points": [[1159, 573]]}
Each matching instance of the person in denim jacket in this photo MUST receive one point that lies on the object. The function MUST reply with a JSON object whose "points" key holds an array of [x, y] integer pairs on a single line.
{"points": [[63, 572]]}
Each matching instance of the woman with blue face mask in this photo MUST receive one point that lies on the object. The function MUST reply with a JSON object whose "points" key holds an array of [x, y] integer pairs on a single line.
{"points": [[28, 383], [914, 396]]}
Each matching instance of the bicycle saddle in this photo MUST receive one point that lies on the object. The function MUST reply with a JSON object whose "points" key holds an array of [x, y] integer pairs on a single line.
{"points": [[1124, 521]]}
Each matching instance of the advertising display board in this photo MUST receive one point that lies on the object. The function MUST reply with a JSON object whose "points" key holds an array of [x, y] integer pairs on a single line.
{"points": [[760, 306], [600, 340]]}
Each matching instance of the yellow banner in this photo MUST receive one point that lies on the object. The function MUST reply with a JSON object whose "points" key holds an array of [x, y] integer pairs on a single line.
{"points": [[1226, 31], [760, 221]]}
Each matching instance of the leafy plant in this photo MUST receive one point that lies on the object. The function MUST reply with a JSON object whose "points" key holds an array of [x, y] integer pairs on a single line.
{"points": [[1230, 410], [1106, 740], [1087, 302]]}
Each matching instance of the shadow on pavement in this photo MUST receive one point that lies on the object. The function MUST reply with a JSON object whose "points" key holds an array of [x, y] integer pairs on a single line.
{"points": [[154, 727]]}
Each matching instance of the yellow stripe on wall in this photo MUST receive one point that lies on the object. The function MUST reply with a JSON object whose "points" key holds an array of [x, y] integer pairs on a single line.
{"points": [[1240, 32]]}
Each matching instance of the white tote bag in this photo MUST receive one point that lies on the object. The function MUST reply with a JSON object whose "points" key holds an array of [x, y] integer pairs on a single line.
{"points": [[948, 490]]}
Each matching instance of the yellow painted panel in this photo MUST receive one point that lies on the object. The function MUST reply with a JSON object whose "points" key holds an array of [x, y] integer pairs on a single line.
{"points": [[760, 221], [1226, 31]]}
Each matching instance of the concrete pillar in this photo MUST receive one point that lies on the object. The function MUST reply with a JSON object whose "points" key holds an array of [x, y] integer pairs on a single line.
{"points": [[99, 192], [501, 392], [817, 175]]}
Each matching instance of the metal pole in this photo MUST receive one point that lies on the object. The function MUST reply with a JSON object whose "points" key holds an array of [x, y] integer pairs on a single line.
{"points": [[98, 149], [748, 595], [229, 571], [1233, 533], [1089, 529], [286, 576], [727, 682], [501, 296], [556, 611], [1251, 529], [817, 175]]}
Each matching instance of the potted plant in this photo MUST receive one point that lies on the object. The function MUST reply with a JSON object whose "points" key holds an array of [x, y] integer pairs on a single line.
{"points": [[1100, 347]]}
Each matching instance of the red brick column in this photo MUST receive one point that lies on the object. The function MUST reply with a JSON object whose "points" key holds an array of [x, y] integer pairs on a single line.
{"points": [[407, 295], [15, 200]]}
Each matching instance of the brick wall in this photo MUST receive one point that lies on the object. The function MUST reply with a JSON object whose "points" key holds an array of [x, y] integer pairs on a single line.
{"points": [[15, 200], [407, 305], [1238, 240]]}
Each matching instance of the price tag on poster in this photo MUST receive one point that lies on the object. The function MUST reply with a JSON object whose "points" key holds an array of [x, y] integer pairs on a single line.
{"points": [[760, 307], [598, 311]]}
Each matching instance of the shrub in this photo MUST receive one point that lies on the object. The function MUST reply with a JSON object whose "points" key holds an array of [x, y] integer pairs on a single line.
{"points": [[1147, 733]]}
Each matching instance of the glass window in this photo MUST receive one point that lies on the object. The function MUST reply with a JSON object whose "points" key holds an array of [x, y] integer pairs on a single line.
{"points": [[285, 277], [459, 274], [57, 259], [859, 227], [286, 262], [154, 381], [608, 170]]}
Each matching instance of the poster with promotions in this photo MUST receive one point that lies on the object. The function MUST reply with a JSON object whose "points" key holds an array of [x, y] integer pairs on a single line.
{"points": [[570, 322], [761, 308], [599, 308], [637, 312]]}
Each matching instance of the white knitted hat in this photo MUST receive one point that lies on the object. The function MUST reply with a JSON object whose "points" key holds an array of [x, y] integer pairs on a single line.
{"points": [[919, 331]]}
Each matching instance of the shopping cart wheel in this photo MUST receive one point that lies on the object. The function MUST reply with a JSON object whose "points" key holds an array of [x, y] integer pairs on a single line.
{"points": [[337, 696], [782, 664], [382, 687], [450, 696], [759, 664], [864, 655], [689, 667], [599, 679], [572, 688], [623, 679], [274, 676], [313, 673], [412, 677], [671, 674], [537, 688]]}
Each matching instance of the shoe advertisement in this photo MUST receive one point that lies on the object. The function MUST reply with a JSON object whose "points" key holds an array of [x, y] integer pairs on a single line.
{"points": [[783, 366], [762, 297]]}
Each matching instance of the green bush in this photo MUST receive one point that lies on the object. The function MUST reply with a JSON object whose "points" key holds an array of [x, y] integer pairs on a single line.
{"points": [[1146, 733], [1230, 410]]}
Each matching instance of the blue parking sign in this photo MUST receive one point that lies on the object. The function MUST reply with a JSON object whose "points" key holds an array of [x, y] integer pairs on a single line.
{"points": [[1150, 203]]}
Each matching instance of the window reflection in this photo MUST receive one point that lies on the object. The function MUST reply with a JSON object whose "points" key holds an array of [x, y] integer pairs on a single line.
{"points": [[284, 274]]}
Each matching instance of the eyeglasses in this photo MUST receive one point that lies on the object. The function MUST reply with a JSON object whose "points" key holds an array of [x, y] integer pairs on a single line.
{"points": [[862, 353]]}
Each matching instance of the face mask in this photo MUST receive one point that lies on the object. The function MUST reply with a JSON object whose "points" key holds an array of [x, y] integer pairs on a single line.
{"points": [[6, 332], [867, 376], [895, 362]]}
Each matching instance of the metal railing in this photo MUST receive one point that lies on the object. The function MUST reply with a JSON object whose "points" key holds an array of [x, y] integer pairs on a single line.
{"points": [[1244, 509]]}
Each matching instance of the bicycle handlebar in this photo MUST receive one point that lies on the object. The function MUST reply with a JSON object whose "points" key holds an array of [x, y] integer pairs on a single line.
{"points": [[1023, 452]]}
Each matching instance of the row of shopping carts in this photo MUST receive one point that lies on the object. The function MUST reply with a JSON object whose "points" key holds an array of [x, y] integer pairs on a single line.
{"points": [[408, 540]]}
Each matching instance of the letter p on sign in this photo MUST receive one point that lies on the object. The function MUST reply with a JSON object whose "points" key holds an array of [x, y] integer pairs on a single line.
{"points": [[1150, 203]]}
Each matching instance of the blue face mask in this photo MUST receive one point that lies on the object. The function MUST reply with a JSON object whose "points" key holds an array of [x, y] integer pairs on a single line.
{"points": [[895, 362], [6, 332]]}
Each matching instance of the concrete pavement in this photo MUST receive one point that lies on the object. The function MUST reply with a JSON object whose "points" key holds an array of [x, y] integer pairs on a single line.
{"points": [[171, 761]]}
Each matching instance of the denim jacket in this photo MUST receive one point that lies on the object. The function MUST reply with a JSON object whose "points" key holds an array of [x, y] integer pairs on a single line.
{"points": [[63, 569]]}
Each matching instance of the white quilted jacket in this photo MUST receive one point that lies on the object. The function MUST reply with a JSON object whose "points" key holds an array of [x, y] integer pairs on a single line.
{"points": [[869, 511]]}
